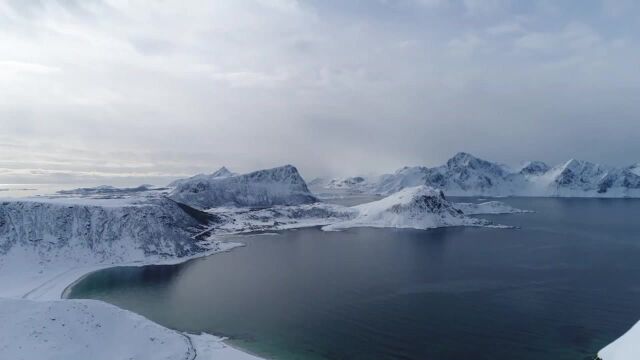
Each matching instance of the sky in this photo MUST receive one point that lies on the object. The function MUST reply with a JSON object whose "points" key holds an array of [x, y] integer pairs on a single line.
{"points": [[130, 92]]}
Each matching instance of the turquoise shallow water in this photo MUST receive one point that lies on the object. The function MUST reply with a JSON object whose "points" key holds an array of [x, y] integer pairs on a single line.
{"points": [[563, 285]]}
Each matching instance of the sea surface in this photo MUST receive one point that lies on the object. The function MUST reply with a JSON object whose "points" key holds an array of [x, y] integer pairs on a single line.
{"points": [[561, 286]]}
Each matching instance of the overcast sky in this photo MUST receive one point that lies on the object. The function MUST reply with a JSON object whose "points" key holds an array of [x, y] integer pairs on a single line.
{"points": [[147, 90]]}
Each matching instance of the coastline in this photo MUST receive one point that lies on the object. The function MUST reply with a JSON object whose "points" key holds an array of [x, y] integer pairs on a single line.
{"points": [[55, 288]]}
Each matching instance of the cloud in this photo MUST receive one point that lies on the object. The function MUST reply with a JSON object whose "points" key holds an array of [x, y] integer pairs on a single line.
{"points": [[506, 28], [119, 88], [17, 67]]}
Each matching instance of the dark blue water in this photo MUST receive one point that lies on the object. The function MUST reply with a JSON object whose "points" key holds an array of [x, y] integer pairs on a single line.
{"points": [[561, 287]]}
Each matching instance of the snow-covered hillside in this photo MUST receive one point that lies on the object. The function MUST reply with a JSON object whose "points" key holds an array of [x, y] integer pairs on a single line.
{"points": [[627, 347], [221, 173], [489, 207], [93, 230], [242, 220], [88, 329], [466, 175], [419, 207], [354, 183], [277, 186]]}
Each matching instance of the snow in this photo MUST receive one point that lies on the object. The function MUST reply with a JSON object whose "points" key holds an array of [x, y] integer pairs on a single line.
{"points": [[48, 243], [88, 329], [244, 220], [277, 186], [627, 347], [97, 230], [467, 175], [489, 207], [85, 328], [419, 207], [221, 173]]}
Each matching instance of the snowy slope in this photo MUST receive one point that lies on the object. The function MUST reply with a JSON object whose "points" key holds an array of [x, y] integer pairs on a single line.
{"points": [[221, 173], [90, 230], [467, 175], [356, 183], [463, 174], [419, 207], [277, 186], [107, 191], [242, 220], [489, 207], [627, 347], [88, 329]]}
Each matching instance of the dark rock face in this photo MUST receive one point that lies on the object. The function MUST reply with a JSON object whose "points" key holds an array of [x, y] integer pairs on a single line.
{"points": [[535, 168]]}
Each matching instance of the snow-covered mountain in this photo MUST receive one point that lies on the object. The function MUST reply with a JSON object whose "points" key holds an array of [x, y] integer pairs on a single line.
{"points": [[462, 174], [467, 175], [534, 168], [277, 186], [346, 183], [221, 173], [352, 184], [98, 230], [107, 191], [419, 207]]}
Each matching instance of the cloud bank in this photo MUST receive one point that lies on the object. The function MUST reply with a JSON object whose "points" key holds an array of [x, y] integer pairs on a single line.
{"points": [[151, 90]]}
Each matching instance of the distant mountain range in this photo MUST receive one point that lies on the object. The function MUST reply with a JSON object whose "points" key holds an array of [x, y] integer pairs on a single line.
{"points": [[106, 224], [127, 224], [467, 175]]}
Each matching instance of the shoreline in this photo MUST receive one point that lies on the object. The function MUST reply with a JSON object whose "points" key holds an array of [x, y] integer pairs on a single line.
{"points": [[58, 286]]}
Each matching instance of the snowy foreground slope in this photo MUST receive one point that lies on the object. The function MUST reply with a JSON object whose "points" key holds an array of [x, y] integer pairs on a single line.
{"points": [[88, 329], [627, 347], [466, 175]]}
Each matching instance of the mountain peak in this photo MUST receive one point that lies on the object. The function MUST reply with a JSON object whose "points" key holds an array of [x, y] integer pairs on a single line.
{"points": [[222, 172], [462, 157], [277, 186]]}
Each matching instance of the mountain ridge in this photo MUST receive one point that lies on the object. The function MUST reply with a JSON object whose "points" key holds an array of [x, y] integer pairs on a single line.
{"points": [[467, 175]]}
